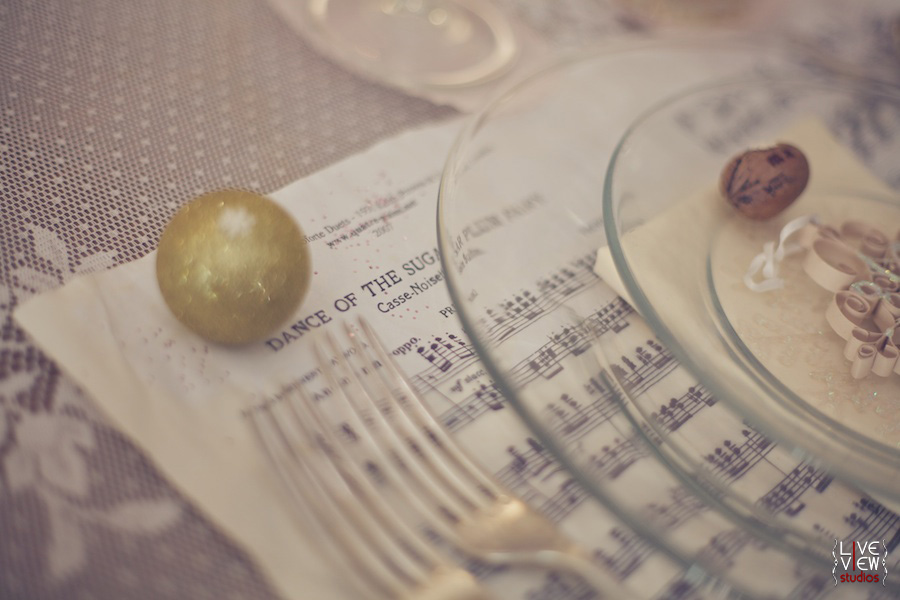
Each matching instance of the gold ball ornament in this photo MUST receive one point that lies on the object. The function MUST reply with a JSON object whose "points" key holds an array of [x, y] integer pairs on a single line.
{"points": [[233, 266]]}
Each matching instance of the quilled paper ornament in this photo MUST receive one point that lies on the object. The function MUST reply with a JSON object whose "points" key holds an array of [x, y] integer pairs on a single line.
{"points": [[860, 265]]}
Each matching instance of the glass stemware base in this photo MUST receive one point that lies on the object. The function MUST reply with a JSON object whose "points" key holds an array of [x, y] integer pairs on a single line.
{"points": [[414, 43]]}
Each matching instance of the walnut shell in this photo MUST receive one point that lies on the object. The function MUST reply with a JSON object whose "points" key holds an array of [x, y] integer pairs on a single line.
{"points": [[761, 183]]}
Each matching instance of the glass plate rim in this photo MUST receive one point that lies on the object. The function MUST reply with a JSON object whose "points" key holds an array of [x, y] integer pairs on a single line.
{"points": [[468, 131], [889, 457]]}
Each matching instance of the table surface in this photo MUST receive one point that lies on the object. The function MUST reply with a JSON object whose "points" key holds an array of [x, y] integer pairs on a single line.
{"points": [[112, 115]]}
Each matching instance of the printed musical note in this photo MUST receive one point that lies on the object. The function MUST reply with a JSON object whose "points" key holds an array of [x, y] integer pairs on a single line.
{"points": [[731, 460], [546, 362], [574, 340], [680, 589], [562, 586], [728, 118], [472, 407], [432, 355], [612, 460], [445, 353], [611, 317], [812, 586], [513, 314], [862, 125], [571, 340], [583, 417], [680, 410], [786, 496], [644, 369], [568, 497], [478, 568], [724, 547], [523, 305], [489, 396], [348, 433], [571, 421], [526, 465], [535, 477], [630, 553], [871, 519], [682, 507]]}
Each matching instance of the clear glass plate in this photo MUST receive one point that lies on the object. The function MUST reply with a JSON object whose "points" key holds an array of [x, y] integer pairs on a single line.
{"points": [[520, 219], [771, 356]]}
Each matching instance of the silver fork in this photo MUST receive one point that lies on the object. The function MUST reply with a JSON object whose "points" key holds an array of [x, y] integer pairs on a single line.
{"points": [[387, 558], [430, 476]]}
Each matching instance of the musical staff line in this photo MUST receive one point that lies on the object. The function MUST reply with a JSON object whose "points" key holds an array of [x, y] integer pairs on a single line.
{"points": [[571, 420], [545, 363], [683, 507], [452, 354], [531, 467], [732, 460], [785, 496], [562, 586], [614, 459], [724, 547], [679, 589], [646, 370], [484, 399], [524, 307], [873, 520], [569, 497], [682, 409], [443, 352], [632, 552], [572, 416], [447, 357], [812, 586]]}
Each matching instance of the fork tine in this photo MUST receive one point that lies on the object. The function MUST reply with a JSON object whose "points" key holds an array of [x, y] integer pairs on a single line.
{"points": [[424, 467], [407, 434], [445, 580], [411, 404], [351, 471], [372, 565], [391, 451], [338, 485], [517, 534]]}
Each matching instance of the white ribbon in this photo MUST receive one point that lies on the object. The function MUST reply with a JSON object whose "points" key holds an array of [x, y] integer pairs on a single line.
{"points": [[768, 260]]}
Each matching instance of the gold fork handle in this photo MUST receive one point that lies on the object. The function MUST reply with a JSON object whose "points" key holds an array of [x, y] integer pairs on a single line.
{"points": [[571, 559], [511, 532], [450, 584]]}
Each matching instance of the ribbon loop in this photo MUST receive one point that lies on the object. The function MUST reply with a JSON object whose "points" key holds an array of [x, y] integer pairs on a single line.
{"points": [[861, 266]]}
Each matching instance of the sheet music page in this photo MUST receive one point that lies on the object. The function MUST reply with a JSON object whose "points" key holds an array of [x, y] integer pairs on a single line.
{"points": [[370, 224]]}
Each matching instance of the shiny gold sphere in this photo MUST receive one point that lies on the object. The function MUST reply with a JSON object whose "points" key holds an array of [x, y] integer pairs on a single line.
{"points": [[233, 266]]}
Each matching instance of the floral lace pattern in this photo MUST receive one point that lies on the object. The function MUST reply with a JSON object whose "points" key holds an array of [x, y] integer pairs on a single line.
{"points": [[112, 114]]}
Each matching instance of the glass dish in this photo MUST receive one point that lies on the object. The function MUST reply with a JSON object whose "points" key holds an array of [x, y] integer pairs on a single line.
{"points": [[520, 219], [771, 356]]}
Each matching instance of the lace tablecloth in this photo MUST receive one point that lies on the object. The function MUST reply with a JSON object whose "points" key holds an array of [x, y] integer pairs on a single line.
{"points": [[112, 115]]}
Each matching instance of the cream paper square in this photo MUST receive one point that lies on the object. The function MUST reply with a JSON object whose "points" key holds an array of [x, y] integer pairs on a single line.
{"points": [[784, 329]]}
